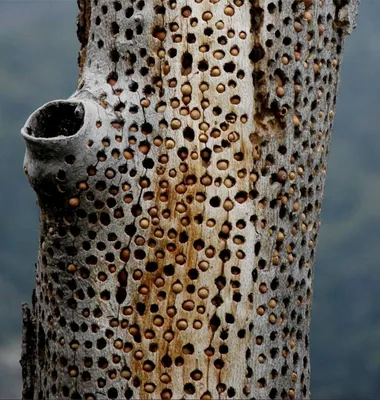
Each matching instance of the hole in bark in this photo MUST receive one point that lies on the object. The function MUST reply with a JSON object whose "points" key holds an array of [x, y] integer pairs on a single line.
{"points": [[273, 393], [121, 295], [187, 63], [115, 29], [166, 361], [112, 393], [257, 53], [189, 388], [214, 322], [117, 5], [188, 349], [188, 134]]}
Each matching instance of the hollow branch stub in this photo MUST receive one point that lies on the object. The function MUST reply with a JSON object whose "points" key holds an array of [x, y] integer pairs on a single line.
{"points": [[56, 137]]}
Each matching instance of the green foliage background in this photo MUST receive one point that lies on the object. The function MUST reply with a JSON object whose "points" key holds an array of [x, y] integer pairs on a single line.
{"points": [[38, 50]]}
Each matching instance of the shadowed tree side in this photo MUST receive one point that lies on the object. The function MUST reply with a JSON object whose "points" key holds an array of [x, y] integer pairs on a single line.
{"points": [[180, 191]]}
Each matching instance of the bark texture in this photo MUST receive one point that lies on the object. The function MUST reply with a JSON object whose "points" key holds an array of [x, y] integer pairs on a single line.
{"points": [[180, 191]]}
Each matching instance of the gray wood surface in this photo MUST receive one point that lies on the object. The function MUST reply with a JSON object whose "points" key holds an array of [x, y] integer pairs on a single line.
{"points": [[180, 190]]}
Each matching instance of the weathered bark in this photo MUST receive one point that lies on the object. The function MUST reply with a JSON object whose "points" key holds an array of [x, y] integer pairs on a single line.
{"points": [[180, 191]]}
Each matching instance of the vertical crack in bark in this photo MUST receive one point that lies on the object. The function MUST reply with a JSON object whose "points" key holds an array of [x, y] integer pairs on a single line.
{"points": [[267, 117], [83, 30], [28, 352]]}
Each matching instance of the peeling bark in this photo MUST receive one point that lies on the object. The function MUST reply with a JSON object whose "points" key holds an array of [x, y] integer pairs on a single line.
{"points": [[83, 30], [180, 191]]}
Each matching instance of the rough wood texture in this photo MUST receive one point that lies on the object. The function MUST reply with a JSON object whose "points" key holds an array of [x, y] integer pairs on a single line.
{"points": [[180, 191]]}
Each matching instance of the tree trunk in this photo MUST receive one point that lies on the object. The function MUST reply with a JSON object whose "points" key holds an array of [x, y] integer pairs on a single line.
{"points": [[180, 191]]}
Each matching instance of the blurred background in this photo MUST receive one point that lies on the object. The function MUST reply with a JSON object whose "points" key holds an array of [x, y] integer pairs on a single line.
{"points": [[38, 55]]}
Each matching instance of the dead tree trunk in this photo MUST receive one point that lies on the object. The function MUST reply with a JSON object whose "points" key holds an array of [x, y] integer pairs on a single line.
{"points": [[180, 191]]}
